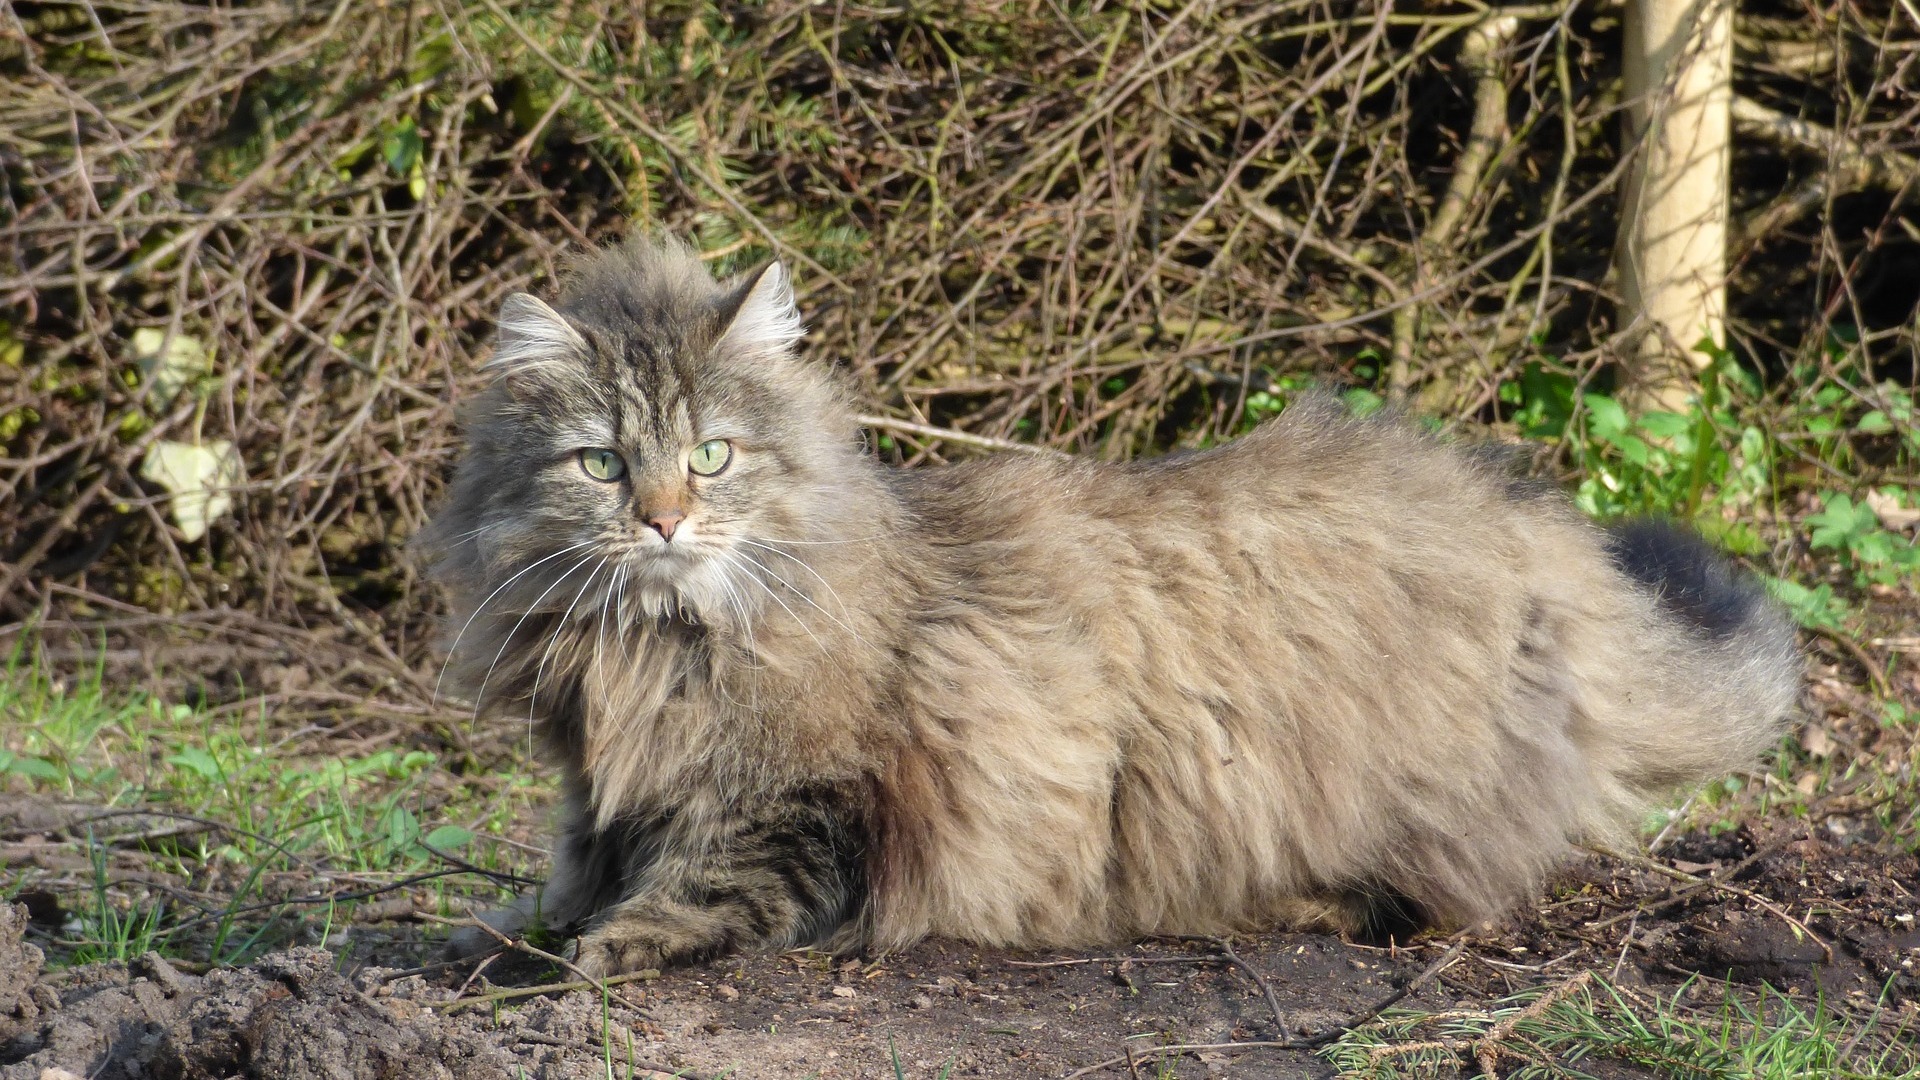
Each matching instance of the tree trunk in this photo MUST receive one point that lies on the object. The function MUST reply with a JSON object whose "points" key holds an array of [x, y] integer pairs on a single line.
{"points": [[1672, 253]]}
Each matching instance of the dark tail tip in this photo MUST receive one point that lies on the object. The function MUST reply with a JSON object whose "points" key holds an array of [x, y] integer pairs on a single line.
{"points": [[1692, 580]]}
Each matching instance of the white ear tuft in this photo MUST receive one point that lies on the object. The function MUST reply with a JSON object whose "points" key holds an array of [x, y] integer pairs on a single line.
{"points": [[767, 320], [529, 333]]}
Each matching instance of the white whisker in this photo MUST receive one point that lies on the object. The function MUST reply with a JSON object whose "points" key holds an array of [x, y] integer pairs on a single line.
{"points": [[736, 603], [482, 607], [801, 593], [553, 640], [850, 540], [481, 696], [600, 634], [755, 578], [831, 591]]}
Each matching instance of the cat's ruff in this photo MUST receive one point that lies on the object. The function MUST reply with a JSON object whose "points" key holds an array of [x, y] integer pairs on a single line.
{"points": [[1331, 674]]}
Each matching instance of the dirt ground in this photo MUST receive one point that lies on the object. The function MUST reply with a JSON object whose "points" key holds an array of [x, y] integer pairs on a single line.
{"points": [[1811, 908]]}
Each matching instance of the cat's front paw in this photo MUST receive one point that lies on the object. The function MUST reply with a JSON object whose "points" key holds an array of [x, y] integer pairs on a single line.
{"points": [[608, 951]]}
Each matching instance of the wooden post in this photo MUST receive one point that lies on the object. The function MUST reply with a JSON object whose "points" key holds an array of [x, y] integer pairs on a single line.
{"points": [[1672, 252]]}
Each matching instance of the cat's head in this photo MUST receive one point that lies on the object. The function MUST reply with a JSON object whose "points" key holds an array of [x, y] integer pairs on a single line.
{"points": [[649, 435]]}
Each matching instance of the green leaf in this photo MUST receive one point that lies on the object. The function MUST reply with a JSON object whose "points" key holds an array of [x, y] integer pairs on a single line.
{"points": [[1874, 423], [1816, 607], [1633, 448], [402, 828], [448, 838], [402, 146], [1873, 548], [1716, 352], [1363, 402], [1665, 425], [1605, 417], [1735, 537], [1837, 524], [198, 761], [33, 768]]}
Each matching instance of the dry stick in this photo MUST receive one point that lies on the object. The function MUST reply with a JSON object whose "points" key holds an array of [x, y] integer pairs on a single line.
{"points": [[1111, 960], [1486, 1049], [583, 980], [1850, 166], [1365, 1016], [1260, 145], [1415, 985], [513, 993], [497, 875], [1480, 51], [1875, 673], [1601, 187], [1626, 945], [646, 1070], [310, 901], [928, 431], [211, 823], [1677, 895], [1226, 955], [660, 138], [1266, 989], [1681, 875], [1179, 1048]]}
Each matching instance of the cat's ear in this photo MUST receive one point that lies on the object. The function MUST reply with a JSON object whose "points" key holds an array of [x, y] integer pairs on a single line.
{"points": [[764, 319], [530, 334]]}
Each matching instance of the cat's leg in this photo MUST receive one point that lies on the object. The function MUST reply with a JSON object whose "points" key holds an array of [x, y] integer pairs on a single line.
{"points": [[586, 876], [785, 873]]}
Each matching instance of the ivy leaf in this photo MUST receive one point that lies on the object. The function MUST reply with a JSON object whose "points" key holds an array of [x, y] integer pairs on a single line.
{"points": [[200, 479], [168, 365]]}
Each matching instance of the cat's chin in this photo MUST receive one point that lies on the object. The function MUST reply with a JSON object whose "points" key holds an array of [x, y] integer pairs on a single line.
{"points": [[686, 586]]}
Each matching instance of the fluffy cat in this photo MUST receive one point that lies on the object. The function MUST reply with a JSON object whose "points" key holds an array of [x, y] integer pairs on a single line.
{"points": [[1334, 674]]}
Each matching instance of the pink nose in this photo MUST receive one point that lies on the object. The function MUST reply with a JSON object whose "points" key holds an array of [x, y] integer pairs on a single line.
{"points": [[665, 521]]}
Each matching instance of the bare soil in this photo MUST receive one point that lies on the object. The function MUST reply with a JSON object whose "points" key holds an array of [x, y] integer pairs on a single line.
{"points": [[1796, 906]]}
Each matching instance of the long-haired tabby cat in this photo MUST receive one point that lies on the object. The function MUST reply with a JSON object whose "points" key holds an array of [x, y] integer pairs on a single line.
{"points": [[1333, 672]]}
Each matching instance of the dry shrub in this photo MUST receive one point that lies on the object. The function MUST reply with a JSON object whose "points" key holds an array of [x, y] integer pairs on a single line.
{"points": [[1089, 225]]}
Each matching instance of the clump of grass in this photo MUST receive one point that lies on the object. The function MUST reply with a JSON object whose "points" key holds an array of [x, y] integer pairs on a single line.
{"points": [[1551, 1034], [195, 824]]}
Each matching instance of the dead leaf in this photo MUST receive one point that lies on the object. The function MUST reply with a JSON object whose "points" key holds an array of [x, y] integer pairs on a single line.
{"points": [[168, 364], [199, 478], [1891, 514], [1816, 741]]}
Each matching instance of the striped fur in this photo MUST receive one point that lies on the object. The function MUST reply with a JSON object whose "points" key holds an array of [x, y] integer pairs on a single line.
{"points": [[1333, 674]]}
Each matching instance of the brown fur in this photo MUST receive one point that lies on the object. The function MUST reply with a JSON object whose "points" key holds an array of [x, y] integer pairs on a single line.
{"points": [[1332, 669]]}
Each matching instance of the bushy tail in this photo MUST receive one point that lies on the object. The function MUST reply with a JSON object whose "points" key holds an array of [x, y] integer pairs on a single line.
{"points": [[1734, 686], [1695, 582]]}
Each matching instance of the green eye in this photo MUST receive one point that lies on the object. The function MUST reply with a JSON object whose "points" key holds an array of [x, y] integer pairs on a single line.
{"points": [[710, 458], [602, 464]]}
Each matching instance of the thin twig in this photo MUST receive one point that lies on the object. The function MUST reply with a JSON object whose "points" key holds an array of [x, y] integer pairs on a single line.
{"points": [[1719, 886]]}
